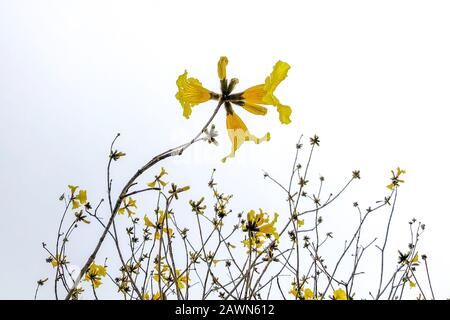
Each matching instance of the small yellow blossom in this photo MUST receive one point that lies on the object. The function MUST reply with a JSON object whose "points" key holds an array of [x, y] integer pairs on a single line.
{"points": [[182, 280], [259, 227], [411, 284], [254, 242], [94, 274], [158, 179], [75, 204], [128, 203], [259, 224], [157, 296], [79, 199], [396, 178], [304, 294], [58, 261], [162, 272], [215, 262], [294, 291], [165, 274], [339, 294], [300, 222], [309, 295], [116, 155], [79, 216], [160, 225]]}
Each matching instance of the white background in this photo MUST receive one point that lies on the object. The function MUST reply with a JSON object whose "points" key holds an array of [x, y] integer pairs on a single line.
{"points": [[371, 78]]}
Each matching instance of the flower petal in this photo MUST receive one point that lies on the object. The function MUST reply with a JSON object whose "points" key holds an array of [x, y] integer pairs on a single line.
{"points": [[147, 222], [222, 68], [254, 94], [284, 113], [238, 134], [190, 93], [264, 93], [255, 109], [279, 73]]}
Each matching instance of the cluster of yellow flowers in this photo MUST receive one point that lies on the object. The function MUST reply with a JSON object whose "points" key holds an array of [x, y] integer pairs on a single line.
{"points": [[308, 294], [158, 180], [303, 294], [128, 203]]}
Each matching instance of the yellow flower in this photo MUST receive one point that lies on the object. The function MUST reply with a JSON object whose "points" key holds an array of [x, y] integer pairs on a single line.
{"points": [[309, 295], [160, 225], [79, 199], [339, 294], [411, 284], [79, 216], [305, 294], [94, 274], [127, 204], [157, 296], [293, 291], [165, 274], [260, 225], [255, 243], [395, 178], [75, 204], [300, 222], [162, 173], [58, 261], [191, 93], [116, 155]]}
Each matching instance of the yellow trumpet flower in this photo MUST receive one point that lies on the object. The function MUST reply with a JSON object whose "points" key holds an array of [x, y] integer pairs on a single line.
{"points": [[191, 93]]}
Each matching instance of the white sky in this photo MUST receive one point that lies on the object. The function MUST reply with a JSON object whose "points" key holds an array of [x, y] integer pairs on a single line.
{"points": [[371, 78]]}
